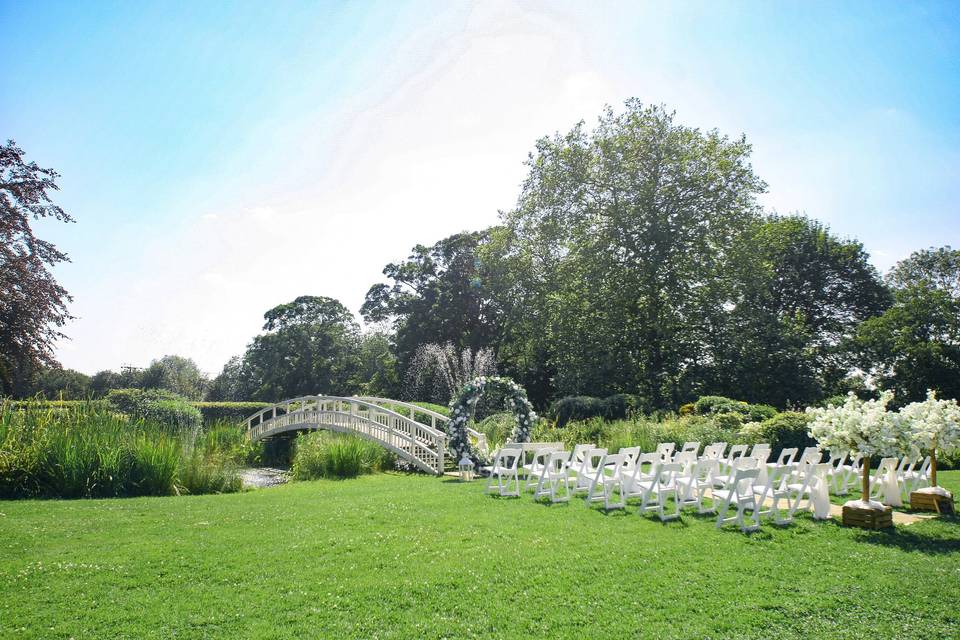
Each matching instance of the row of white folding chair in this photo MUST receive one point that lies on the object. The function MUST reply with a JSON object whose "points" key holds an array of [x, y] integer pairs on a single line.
{"points": [[745, 491], [895, 479]]}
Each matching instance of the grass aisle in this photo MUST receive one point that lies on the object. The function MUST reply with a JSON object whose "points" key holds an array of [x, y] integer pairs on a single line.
{"points": [[395, 556]]}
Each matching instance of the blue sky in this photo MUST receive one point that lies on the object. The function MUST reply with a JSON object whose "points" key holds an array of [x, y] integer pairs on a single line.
{"points": [[223, 157]]}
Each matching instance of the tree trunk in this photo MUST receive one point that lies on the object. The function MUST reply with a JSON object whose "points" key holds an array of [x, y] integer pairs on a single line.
{"points": [[865, 472], [933, 467]]}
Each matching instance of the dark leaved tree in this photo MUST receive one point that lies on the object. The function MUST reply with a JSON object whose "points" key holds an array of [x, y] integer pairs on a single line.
{"points": [[33, 306]]}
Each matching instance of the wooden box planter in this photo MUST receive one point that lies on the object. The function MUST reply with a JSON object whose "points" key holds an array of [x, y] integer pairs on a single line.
{"points": [[929, 501], [867, 518]]}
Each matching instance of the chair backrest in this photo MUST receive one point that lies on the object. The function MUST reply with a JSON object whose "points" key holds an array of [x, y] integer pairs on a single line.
{"points": [[691, 446], [684, 458], [540, 458], [704, 470], [508, 459], [887, 465], [612, 461], [745, 462], [837, 460], [667, 473], [925, 467], [737, 451], [743, 480], [761, 452], [593, 460], [714, 451], [630, 455], [557, 462], [777, 475], [811, 455], [665, 449], [579, 451], [787, 455], [906, 465]]}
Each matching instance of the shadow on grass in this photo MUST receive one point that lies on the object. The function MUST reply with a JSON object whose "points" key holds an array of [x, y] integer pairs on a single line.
{"points": [[914, 537]]}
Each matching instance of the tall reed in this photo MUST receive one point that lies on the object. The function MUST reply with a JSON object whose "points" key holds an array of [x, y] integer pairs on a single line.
{"points": [[88, 450]]}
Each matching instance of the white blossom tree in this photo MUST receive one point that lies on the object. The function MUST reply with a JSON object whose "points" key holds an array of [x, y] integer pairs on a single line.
{"points": [[864, 427], [936, 428]]}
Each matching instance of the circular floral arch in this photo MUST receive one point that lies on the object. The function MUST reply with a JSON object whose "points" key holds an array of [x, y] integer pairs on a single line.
{"points": [[461, 408]]}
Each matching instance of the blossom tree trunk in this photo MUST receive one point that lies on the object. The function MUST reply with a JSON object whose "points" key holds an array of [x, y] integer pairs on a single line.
{"points": [[933, 467], [865, 474]]}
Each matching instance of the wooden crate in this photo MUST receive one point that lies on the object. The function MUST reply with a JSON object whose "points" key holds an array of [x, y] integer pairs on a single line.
{"points": [[923, 501], [867, 518]]}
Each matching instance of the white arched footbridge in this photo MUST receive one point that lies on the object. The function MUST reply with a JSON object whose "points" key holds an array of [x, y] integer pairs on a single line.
{"points": [[415, 434]]}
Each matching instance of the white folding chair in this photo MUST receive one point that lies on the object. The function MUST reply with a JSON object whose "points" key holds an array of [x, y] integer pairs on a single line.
{"points": [[576, 458], [506, 471], [917, 479], [775, 489], [644, 469], [847, 474], [659, 489], [738, 493], [721, 479], [694, 484], [761, 452], [608, 482], [810, 484], [554, 481], [665, 449], [736, 451], [535, 468], [690, 446], [884, 485], [587, 472], [714, 451]]}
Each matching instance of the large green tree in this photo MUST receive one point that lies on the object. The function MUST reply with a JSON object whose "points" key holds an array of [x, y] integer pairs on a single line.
{"points": [[443, 293], [177, 374], [915, 344], [310, 346], [797, 294], [621, 231], [33, 305]]}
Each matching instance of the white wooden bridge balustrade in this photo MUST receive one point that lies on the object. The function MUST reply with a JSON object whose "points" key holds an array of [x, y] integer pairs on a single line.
{"points": [[375, 419]]}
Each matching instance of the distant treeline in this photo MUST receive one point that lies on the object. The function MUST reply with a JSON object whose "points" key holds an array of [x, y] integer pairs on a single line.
{"points": [[637, 261]]}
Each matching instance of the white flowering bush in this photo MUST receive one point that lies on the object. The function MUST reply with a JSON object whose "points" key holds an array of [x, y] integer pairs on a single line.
{"points": [[462, 407], [935, 425], [864, 427]]}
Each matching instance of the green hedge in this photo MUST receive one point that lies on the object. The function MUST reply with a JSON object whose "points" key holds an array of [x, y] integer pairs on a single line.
{"points": [[615, 407], [228, 411], [714, 405], [155, 405]]}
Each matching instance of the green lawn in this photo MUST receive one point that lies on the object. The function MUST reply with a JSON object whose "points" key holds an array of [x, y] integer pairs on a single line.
{"points": [[396, 556]]}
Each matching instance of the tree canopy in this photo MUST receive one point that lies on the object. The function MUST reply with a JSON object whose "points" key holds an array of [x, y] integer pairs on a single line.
{"points": [[33, 305]]}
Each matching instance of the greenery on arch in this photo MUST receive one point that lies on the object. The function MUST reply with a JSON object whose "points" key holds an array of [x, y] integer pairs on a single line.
{"points": [[461, 408]]}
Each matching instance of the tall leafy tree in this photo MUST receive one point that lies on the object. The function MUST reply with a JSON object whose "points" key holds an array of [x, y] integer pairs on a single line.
{"points": [[311, 345], [797, 294], [622, 230], [915, 344], [177, 374], [33, 306], [439, 294], [934, 268]]}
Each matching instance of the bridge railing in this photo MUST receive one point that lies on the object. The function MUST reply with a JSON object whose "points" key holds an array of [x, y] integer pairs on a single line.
{"points": [[423, 445], [479, 440]]}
